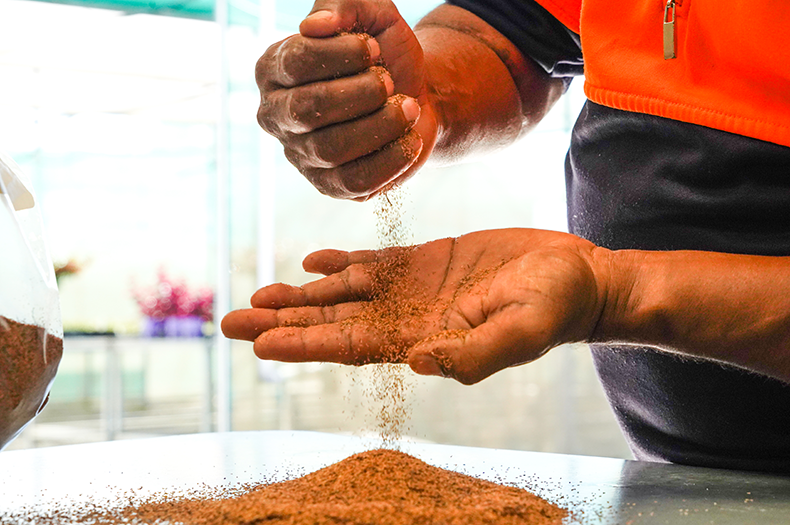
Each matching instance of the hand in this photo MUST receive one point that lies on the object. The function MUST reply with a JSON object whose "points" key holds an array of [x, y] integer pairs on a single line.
{"points": [[350, 128], [463, 308]]}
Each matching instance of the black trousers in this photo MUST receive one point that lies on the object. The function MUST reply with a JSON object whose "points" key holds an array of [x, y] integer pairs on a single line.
{"points": [[643, 182]]}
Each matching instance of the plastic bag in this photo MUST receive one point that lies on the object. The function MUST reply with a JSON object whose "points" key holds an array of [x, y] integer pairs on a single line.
{"points": [[31, 334]]}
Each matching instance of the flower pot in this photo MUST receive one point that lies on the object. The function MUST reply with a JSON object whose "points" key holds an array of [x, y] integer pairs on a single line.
{"points": [[153, 327], [183, 326]]}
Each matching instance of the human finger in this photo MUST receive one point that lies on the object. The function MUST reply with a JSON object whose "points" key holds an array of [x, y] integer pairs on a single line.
{"points": [[278, 295], [328, 17], [469, 356], [247, 324], [300, 60], [351, 284], [319, 104], [327, 262], [333, 146], [400, 51], [364, 177], [417, 146], [344, 343]]}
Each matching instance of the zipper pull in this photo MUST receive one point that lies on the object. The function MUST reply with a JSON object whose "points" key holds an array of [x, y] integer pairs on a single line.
{"points": [[669, 30]]}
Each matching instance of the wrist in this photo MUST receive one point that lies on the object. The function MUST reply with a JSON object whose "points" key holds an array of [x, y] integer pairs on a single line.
{"points": [[619, 274], [461, 63]]}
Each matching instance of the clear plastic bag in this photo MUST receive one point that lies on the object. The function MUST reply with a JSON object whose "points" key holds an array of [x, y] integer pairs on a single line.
{"points": [[31, 334]]}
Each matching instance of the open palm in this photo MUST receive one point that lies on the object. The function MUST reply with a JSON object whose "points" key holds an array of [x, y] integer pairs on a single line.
{"points": [[463, 308]]}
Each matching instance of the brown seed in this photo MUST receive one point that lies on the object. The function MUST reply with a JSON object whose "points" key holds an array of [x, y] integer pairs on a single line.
{"points": [[384, 487], [28, 359]]}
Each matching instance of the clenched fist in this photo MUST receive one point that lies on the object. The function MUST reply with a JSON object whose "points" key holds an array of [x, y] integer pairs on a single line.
{"points": [[347, 98]]}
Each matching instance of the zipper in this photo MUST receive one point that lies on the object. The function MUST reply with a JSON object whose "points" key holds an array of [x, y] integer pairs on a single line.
{"points": [[669, 30]]}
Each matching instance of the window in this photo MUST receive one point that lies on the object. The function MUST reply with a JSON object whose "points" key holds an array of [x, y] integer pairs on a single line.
{"points": [[115, 117]]}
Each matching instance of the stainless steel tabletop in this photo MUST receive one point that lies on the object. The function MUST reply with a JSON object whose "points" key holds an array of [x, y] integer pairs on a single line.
{"points": [[595, 490]]}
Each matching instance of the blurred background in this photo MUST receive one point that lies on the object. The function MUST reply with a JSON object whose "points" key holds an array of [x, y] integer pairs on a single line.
{"points": [[164, 203]]}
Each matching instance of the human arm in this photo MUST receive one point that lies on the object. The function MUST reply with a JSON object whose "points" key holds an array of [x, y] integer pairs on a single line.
{"points": [[494, 299], [485, 91], [339, 123], [734, 309]]}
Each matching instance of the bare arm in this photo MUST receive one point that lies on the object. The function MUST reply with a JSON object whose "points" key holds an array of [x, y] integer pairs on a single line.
{"points": [[730, 308], [454, 88], [493, 299], [487, 94]]}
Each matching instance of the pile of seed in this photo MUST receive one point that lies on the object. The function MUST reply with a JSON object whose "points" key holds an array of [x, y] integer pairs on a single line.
{"points": [[383, 487]]}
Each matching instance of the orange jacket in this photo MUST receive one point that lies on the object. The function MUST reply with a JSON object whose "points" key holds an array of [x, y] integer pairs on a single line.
{"points": [[731, 69]]}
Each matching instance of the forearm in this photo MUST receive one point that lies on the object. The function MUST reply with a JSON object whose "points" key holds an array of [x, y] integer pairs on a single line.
{"points": [[486, 93], [730, 308]]}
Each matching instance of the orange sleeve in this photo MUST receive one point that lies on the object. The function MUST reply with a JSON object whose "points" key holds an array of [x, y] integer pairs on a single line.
{"points": [[566, 11]]}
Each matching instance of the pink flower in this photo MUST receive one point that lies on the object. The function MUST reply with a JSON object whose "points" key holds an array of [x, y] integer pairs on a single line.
{"points": [[173, 298]]}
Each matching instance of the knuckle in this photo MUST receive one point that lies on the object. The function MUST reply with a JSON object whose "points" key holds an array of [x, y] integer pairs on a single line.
{"points": [[318, 180], [323, 153], [295, 158], [265, 120], [307, 106], [358, 184], [311, 150], [294, 59], [273, 113], [302, 109], [371, 172], [269, 64], [327, 183], [263, 68], [295, 110]]}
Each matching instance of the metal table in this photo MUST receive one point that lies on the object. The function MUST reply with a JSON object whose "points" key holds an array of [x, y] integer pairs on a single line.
{"points": [[595, 490]]}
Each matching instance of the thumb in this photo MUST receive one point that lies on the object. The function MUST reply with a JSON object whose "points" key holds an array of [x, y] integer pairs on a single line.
{"points": [[469, 356], [330, 17], [400, 52]]}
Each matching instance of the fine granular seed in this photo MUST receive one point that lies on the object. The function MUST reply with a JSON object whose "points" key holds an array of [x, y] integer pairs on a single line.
{"points": [[408, 145], [363, 36], [397, 100], [26, 351], [445, 361], [478, 275], [392, 226], [392, 303], [383, 487], [380, 71], [389, 381]]}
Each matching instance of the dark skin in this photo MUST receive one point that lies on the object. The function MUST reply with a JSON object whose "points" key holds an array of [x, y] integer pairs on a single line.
{"points": [[338, 122], [509, 320], [541, 289]]}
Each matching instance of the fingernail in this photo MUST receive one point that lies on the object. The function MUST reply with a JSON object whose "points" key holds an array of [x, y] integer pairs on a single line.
{"points": [[411, 145], [425, 365], [320, 16], [388, 83], [373, 49], [411, 110]]}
